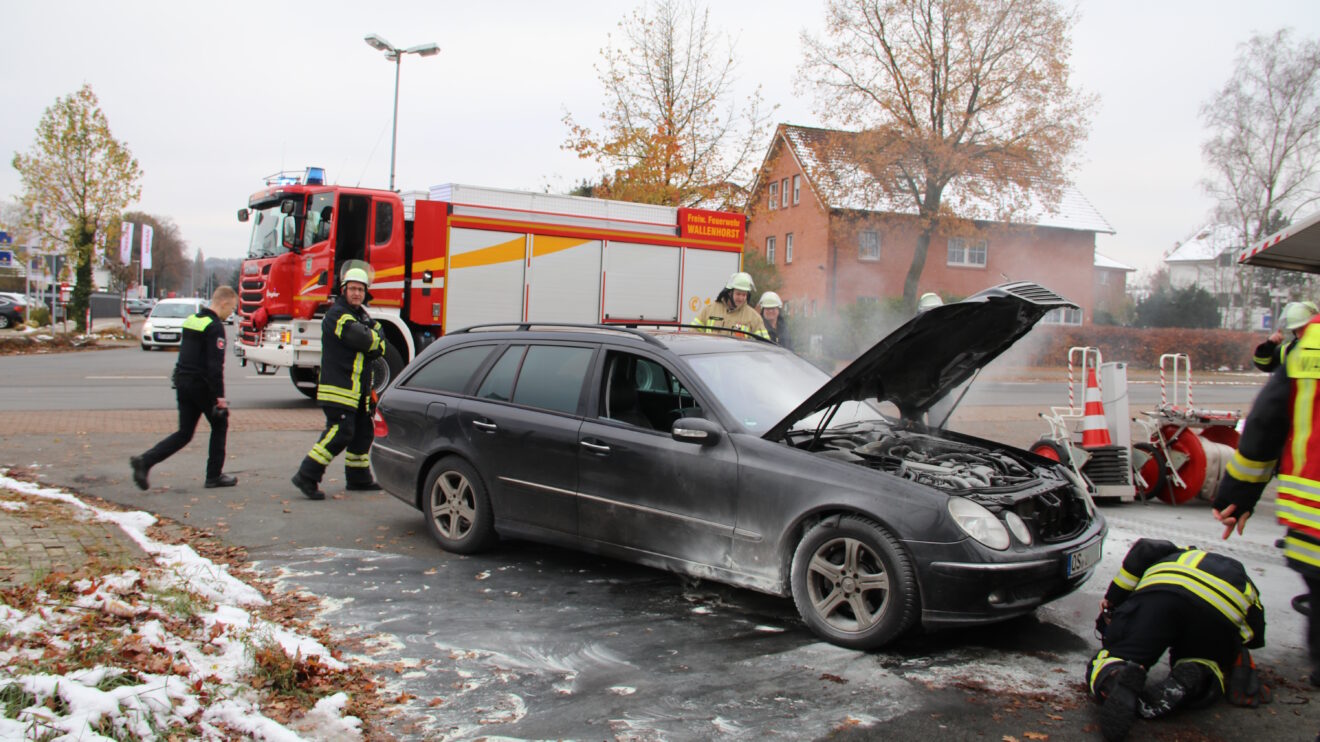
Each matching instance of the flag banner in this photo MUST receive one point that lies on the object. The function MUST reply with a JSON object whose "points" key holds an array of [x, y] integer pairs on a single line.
{"points": [[146, 247], [125, 242]]}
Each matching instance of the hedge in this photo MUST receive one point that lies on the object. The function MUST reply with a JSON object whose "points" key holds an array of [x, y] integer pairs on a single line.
{"points": [[1208, 350]]}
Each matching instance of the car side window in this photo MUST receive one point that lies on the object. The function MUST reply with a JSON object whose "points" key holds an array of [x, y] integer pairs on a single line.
{"points": [[499, 382], [641, 392], [551, 377], [450, 372]]}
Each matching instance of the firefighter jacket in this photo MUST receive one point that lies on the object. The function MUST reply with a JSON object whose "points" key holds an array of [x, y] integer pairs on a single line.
{"points": [[717, 316], [350, 340], [1270, 355], [1280, 433], [1220, 582], [202, 351]]}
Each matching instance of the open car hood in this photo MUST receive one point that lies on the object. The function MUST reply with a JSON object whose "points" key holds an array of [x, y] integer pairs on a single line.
{"points": [[925, 359]]}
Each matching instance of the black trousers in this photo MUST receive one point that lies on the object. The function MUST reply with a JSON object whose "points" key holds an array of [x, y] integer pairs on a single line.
{"points": [[195, 400], [1148, 623], [1313, 621], [346, 431]]}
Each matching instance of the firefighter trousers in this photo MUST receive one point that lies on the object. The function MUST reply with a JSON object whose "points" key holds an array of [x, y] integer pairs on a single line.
{"points": [[1150, 622], [195, 401], [347, 431]]}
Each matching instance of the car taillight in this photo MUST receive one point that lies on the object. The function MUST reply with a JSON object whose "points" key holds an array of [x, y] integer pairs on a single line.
{"points": [[378, 424]]}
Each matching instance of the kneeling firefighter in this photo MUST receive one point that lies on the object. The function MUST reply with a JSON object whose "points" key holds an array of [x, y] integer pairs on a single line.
{"points": [[1202, 608]]}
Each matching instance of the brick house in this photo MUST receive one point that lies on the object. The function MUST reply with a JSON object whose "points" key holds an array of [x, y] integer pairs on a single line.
{"points": [[831, 250], [1110, 283]]}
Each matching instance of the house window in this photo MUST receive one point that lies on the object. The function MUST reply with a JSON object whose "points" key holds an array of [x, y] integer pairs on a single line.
{"points": [[774, 195], [797, 189], [770, 250], [1063, 316], [788, 248], [868, 245], [783, 187], [961, 252], [1102, 277]]}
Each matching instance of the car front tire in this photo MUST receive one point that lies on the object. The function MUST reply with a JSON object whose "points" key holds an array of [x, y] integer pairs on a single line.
{"points": [[853, 584], [458, 512]]}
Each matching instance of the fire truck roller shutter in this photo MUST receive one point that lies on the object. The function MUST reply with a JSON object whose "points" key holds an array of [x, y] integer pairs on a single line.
{"points": [[564, 282], [485, 279], [704, 274], [641, 282]]}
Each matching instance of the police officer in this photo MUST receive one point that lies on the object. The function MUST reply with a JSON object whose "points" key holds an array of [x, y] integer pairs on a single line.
{"points": [[350, 340], [730, 309], [1201, 607], [1280, 433], [199, 380], [1270, 354]]}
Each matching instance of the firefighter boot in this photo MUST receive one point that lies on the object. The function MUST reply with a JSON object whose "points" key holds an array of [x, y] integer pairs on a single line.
{"points": [[311, 490], [1189, 685], [1119, 687], [140, 469]]}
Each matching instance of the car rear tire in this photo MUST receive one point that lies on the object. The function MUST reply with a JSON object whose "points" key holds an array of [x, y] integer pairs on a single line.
{"points": [[458, 512], [4, 322], [853, 584]]}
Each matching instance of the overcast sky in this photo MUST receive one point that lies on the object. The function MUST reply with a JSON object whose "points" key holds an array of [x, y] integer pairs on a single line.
{"points": [[211, 98]]}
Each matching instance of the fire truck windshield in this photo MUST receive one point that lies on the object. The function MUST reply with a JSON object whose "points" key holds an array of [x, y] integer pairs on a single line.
{"points": [[267, 231]]}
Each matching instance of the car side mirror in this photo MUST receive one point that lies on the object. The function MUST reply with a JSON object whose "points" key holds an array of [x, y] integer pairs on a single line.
{"points": [[242, 215], [695, 430]]}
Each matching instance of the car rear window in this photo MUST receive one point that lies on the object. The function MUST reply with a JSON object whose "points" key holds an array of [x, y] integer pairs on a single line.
{"points": [[450, 372]]}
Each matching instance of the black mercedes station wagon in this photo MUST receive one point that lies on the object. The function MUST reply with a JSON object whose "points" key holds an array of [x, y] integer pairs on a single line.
{"points": [[734, 460]]}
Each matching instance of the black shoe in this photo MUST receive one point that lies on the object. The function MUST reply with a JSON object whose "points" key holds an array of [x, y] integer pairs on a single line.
{"points": [[368, 486], [1184, 685], [224, 480], [140, 470], [308, 488], [1119, 708]]}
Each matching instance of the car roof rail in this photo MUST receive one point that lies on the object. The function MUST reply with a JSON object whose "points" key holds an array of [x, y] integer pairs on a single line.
{"points": [[747, 334], [532, 326]]}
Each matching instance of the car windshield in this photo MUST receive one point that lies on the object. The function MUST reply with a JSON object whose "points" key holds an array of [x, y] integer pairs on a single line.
{"points": [[174, 311], [760, 387]]}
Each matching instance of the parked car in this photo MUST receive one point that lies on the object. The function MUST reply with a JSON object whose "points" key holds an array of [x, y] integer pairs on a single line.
{"points": [[19, 299], [164, 325], [735, 460], [12, 314], [139, 306]]}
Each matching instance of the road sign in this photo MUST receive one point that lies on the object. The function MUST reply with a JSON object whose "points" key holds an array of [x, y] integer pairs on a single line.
{"points": [[66, 292], [6, 258]]}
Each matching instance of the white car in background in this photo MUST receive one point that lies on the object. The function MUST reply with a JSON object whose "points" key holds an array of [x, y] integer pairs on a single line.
{"points": [[164, 326]]}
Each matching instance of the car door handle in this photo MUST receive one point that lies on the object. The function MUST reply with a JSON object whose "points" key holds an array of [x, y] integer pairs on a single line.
{"points": [[486, 426], [595, 447]]}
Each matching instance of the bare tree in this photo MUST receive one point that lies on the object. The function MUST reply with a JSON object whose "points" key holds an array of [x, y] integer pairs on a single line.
{"points": [[1264, 145], [673, 131], [965, 104]]}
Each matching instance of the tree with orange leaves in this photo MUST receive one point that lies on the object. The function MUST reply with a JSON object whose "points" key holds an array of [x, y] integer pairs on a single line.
{"points": [[966, 106], [673, 132]]}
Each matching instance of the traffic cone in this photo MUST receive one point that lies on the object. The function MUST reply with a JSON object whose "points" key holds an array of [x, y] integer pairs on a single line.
{"points": [[1095, 432]]}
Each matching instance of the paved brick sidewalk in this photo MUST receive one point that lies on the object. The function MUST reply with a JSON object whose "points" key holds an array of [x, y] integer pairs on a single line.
{"points": [[152, 421], [40, 537]]}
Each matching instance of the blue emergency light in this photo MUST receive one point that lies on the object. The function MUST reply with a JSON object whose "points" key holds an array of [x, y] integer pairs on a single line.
{"points": [[314, 176]]}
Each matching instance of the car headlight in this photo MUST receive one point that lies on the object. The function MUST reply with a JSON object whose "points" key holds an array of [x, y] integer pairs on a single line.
{"points": [[979, 523], [1018, 527]]}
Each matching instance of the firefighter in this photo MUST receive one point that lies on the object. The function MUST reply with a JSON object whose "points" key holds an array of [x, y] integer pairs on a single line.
{"points": [[730, 309], [776, 323], [1201, 607], [1270, 354], [199, 383], [350, 341], [929, 300], [1279, 434]]}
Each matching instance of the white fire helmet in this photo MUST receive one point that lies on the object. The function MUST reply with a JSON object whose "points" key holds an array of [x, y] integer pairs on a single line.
{"points": [[1297, 313], [929, 300], [741, 282]]}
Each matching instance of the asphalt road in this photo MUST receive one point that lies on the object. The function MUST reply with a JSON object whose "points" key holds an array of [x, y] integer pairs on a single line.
{"points": [[536, 643]]}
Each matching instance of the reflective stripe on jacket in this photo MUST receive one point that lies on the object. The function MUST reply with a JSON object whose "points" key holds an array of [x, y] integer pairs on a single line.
{"points": [[349, 341], [715, 316]]}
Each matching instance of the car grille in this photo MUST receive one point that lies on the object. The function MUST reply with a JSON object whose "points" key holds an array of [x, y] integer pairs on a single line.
{"points": [[1056, 515]]}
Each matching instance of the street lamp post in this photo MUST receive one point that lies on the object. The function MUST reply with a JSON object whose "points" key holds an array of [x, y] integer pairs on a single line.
{"points": [[395, 55]]}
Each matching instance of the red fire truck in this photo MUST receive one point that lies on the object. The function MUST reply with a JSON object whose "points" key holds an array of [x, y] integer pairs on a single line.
{"points": [[461, 255]]}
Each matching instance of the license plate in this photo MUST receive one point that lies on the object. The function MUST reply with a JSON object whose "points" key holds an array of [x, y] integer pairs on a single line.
{"points": [[167, 336], [1084, 558]]}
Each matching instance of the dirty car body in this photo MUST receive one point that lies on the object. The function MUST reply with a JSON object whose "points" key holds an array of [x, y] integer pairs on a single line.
{"points": [[735, 460]]}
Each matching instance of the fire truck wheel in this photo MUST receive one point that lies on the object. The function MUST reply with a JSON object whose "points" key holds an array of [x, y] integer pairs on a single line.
{"points": [[383, 370], [301, 374], [1152, 471]]}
